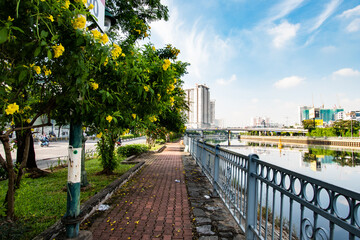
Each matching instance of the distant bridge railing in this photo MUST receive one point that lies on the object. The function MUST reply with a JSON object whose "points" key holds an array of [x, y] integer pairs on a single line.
{"points": [[270, 202]]}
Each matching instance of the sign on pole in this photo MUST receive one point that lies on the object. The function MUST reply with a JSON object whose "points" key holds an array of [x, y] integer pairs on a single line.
{"points": [[98, 11]]}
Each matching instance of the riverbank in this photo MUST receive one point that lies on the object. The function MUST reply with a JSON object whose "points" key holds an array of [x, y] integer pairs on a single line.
{"points": [[334, 142]]}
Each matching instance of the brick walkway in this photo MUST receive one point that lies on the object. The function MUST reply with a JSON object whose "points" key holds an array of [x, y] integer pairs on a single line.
{"points": [[152, 205]]}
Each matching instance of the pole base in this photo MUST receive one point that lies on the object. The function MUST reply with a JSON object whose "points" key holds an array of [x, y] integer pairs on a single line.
{"points": [[83, 235]]}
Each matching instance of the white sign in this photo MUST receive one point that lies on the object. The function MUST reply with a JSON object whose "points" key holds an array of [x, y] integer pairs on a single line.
{"points": [[98, 11]]}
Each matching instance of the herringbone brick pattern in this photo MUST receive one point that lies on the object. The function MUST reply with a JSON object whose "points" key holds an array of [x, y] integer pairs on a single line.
{"points": [[152, 205]]}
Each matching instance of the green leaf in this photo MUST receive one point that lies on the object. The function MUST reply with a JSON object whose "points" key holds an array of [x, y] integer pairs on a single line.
{"points": [[3, 35], [44, 34], [37, 51], [49, 54], [22, 75], [18, 29], [43, 43]]}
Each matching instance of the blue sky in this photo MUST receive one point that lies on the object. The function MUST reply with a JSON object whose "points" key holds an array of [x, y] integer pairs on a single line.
{"points": [[266, 58]]}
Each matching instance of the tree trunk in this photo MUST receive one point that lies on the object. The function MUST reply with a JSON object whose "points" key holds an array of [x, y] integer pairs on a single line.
{"points": [[59, 131], [31, 160], [84, 181], [10, 195], [24, 160]]}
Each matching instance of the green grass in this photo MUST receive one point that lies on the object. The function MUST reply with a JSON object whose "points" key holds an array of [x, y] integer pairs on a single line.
{"points": [[41, 202], [156, 147]]}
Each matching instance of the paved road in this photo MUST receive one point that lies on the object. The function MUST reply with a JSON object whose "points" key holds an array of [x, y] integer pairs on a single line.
{"points": [[50, 156]]}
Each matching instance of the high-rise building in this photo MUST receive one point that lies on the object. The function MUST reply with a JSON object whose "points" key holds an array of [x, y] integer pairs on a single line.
{"points": [[212, 112], [260, 122], [326, 115], [304, 113], [201, 112]]}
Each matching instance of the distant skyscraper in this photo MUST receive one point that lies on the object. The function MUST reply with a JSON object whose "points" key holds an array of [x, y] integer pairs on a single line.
{"points": [[212, 112], [327, 115], [303, 113], [200, 108], [260, 122]]}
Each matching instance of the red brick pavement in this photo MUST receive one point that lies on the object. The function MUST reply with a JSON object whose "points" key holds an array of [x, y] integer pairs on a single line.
{"points": [[152, 205]]}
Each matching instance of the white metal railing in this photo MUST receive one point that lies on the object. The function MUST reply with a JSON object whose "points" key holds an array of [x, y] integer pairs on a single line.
{"points": [[270, 202]]}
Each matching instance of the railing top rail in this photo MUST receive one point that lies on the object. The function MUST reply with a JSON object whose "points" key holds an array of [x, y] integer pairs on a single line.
{"points": [[308, 179], [224, 149], [318, 182]]}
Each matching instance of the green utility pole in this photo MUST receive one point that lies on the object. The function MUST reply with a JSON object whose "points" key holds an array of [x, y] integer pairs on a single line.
{"points": [[73, 183]]}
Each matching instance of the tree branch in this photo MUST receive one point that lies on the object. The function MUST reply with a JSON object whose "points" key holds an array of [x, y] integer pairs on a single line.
{"points": [[7, 133]]}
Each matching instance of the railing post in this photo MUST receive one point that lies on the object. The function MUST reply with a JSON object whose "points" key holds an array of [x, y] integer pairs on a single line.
{"points": [[251, 198], [202, 158], [216, 171]]}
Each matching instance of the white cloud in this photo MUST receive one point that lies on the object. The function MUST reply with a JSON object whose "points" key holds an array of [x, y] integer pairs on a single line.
{"points": [[328, 49], [351, 12], [289, 82], [329, 9], [354, 26], [347, 72], [222, 81], [254, 100], [283, 33], [283, 9], [200, 45]]}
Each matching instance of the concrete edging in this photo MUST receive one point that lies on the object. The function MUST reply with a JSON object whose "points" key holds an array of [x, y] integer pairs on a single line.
{"points": [[91, 205]]}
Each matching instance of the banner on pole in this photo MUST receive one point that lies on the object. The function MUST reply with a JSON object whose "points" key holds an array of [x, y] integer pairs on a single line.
{"points": [[98, 11]]}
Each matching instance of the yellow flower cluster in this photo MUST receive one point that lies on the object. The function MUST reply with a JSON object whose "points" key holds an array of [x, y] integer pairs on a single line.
{"points": [[12, 108], [91, 6], [172, 100], [83, 1], [10, 19], [126, 131], [133, 115], [96, 34], [99, 135], [94, 86], [51, 18], [152, 119], [166, 64], [58, 50], [109, 118], [104, 38], [146, 88], [106, 61], [37, 69], [116, 52], [46, 71], [170, 88], [67, 4], [79, 22]]}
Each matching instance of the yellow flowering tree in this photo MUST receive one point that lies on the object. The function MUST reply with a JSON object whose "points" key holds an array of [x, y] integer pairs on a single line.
{"points": [[45, 64], [51, 65]]}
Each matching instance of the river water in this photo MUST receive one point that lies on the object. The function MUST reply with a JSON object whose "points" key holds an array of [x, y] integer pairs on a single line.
{"points": [[340, 167]]}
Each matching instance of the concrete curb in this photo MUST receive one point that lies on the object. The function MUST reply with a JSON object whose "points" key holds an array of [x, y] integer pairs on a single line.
{"points": [[211, 218], [57, 230]]}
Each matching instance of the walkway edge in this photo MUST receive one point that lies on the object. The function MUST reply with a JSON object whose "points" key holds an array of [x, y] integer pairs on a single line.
{"points": [[91, 205]]}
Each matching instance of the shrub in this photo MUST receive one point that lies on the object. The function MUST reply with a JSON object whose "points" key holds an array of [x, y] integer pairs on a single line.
{"points": [[132, 149], [3, 174], [160, 141]]}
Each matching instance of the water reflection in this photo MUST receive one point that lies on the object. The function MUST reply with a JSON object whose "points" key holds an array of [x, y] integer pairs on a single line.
{"points": [[340, 167]]}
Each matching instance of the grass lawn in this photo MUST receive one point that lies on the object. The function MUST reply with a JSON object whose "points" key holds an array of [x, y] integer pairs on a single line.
{"points": [[156, 147], [41, 202]]}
